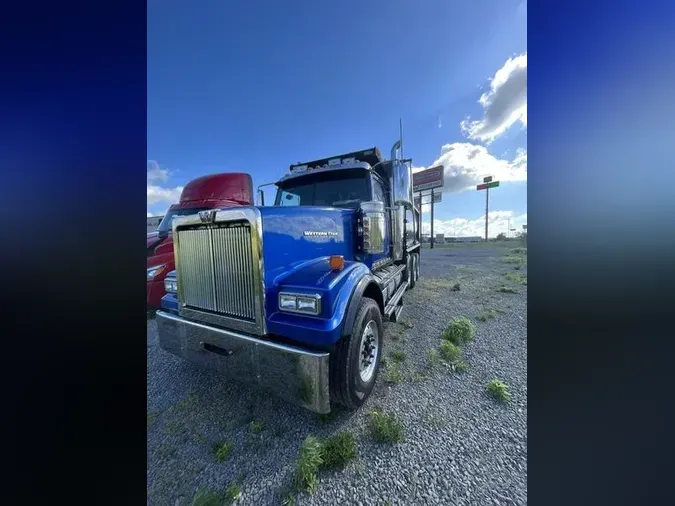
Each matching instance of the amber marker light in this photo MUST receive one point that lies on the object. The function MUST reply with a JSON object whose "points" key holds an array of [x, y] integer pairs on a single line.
{"points": [[337, 263]]}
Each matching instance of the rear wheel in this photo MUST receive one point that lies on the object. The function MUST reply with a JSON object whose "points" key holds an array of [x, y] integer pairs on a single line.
{"points": [[355, 361]]}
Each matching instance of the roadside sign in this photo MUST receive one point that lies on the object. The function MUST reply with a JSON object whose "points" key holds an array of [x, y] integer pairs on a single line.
{"points": [[428, 179], [426, 199], [487, 179], [484, 186]]}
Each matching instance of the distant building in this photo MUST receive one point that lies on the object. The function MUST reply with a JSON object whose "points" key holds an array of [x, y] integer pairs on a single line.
{"points": [[440, 238], [153, 222], [464, 239]]}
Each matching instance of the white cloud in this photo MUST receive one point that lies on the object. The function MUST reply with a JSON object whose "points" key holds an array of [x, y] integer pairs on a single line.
{"points": [[466, 164], [498, 222], [160, 195], [504, 104], [155, 173]]}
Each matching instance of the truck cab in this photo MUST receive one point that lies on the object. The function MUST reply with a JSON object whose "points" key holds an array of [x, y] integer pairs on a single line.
{"points": [[292, 297], [206, 192]]}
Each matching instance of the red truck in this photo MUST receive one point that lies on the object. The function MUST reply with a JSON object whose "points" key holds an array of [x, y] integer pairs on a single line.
{"points": [[206, 192]]}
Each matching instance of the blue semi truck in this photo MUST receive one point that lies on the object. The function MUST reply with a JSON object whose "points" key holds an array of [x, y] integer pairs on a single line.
{"points": [[291, 297]]}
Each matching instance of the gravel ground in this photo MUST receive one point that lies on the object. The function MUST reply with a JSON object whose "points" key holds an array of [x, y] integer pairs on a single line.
{"points": [[461, 446]]}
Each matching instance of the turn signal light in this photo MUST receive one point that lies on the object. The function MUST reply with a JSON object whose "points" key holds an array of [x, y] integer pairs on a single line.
{"points": [[337, 263]]}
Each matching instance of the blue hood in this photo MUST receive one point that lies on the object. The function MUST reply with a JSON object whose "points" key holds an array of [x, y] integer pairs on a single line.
{"points": [[293, 236]]}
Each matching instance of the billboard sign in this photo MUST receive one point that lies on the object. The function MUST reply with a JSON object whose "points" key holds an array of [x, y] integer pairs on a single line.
{"points": [[428, 179], [426, 199]]}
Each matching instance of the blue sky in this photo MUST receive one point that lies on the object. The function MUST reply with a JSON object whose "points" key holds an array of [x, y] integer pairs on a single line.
{"points": [[258, 86]]}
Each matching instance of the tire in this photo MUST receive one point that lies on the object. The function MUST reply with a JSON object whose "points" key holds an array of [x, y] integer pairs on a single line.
{"points": [[347, 385]]}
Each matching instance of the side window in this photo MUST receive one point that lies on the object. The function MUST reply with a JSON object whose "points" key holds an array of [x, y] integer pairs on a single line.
{"points": [[378, 191], [289, 199]]}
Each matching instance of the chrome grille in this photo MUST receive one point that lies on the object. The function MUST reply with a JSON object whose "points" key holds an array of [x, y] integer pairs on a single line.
{"points": [[216, 269]]}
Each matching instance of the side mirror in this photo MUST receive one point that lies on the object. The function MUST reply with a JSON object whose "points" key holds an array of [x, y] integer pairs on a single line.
{"points": [[261, 198], [402, 182]]}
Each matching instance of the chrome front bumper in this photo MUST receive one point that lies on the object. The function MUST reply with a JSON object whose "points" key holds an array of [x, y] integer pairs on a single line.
{"points": [[294, 374]]}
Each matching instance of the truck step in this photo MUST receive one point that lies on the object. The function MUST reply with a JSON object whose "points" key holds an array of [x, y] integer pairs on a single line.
{"points": [[393, 303], [396, 315]]}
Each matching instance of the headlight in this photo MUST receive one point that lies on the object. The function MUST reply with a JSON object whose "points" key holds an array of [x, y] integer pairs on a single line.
{"points": [[297, 303], [171, 285], [155, 271]]}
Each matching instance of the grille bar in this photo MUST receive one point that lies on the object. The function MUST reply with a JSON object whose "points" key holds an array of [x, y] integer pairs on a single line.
{"points": [[216, 270]]}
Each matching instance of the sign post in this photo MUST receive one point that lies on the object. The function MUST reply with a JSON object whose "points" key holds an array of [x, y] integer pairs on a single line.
{"points": [[487, 184], [428, 179]]}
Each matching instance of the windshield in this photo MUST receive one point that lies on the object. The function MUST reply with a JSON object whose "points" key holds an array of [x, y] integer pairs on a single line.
{"points": [[166, 223], [338, 189]]}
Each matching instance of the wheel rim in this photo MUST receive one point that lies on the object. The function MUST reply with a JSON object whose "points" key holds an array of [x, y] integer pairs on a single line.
{"points": [[368, 351]]}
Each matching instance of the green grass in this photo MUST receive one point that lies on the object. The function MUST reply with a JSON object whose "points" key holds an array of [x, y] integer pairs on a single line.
{"points": [[338, 450], [386, 428], [450, 352], [398, 356], [518, 251], [231, 493], [434, 359], [486, 315], [460, 366], [152, 418], [516, 277], [459, 331], [497, 389], [221, 451], [308, 464], [507, 289], [456, 287], [206, 497], [392, 373], [256, 426], [315, 455], [513, 260], [406, 323]]}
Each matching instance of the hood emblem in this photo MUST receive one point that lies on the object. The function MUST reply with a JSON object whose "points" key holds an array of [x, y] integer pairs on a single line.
{"points": [[313, 233], [208, 216]]}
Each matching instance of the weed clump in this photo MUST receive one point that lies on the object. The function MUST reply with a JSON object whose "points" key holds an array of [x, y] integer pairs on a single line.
{"points": [[498, 390], [459, 331], [221, 451], [315, 455], [449, 351], [386, 428]]}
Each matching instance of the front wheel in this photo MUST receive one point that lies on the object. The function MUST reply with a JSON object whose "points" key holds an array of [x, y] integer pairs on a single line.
{"points": [[355, 361]]}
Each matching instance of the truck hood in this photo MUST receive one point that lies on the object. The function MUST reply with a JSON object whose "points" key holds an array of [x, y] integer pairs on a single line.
{"points": [[160, 249], [295, 237]]}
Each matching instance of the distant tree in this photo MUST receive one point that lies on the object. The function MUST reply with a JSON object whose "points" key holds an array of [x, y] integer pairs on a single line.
{"points": [[501, 236]]}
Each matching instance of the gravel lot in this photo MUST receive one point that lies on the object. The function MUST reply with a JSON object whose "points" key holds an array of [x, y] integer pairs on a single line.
{"points": [[461, 447]]}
